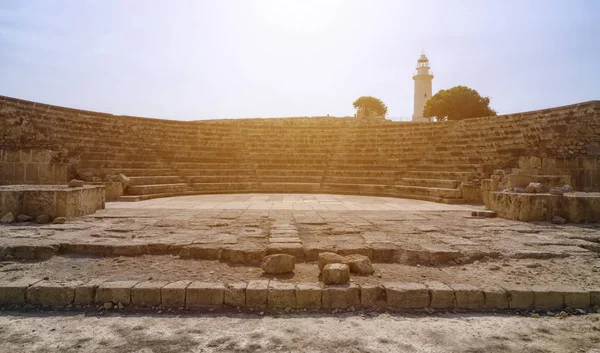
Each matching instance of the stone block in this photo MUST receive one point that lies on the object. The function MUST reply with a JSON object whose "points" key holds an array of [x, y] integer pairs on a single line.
{"points": [[46, 174], [204, 295], [468, 296], [383, 252], [442, 296], [15, 292], [115, 292], [294, 249], [372, 295], [256, 293], [336, 274], [308, 295], [86, 292], [147, 293], [546, 298], [359, 264], [340, 297], [51, 294], [326, 258], [495, 298], [40, 156], [516, 181], [201, 252], [519, 297], [31, 173], [406, 295], [281, 295], [235, 294], [277, 264], [173, 294], [595, 297], [576, 298], [243, 254], [530, 162]]}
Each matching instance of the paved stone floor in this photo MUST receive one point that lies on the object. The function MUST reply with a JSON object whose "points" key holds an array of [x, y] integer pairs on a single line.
{"points": [[295, 202]]}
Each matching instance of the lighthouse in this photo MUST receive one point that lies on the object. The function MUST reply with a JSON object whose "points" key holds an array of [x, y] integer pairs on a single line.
{"points": [[422, 78]]}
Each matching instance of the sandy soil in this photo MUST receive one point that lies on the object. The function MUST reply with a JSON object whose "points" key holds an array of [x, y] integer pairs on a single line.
{"points": [[78, 332], [571, 271]]}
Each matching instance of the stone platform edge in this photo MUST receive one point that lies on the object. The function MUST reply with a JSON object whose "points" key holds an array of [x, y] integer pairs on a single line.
{"points": [[273, 295]]}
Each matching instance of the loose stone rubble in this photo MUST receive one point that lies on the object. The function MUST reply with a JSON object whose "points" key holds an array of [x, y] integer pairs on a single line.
{"points": [[278, 264]]}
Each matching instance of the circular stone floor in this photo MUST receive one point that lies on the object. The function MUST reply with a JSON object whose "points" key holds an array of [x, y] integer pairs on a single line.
{"points": [[296, 202]]}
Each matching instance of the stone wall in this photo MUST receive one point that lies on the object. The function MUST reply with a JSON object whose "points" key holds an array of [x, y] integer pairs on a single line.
{"points": [[31, 167]]}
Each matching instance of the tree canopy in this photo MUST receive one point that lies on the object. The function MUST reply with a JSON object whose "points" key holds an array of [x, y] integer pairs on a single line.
{"points": [[457, 103], [371, 106]]}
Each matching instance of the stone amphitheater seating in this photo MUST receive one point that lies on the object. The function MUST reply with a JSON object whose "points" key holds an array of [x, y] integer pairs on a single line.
{"points": [[288, 155]]}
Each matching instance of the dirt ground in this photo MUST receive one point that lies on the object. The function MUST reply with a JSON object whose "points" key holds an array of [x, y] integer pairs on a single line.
{"points": [[372, 332], [571, 271]]}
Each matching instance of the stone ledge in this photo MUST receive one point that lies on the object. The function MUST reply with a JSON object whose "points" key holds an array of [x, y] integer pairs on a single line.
{"points": [[274, 295]]}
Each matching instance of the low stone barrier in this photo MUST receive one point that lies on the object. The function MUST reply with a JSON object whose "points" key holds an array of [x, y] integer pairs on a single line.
{"points": [[265, 294]]}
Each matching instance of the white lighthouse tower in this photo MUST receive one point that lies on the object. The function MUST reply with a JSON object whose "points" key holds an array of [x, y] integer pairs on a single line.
{"points": [[423, 78]]}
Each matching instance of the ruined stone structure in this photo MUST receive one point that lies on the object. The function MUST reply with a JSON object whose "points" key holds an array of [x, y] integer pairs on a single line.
{"points": [[443, 162]]}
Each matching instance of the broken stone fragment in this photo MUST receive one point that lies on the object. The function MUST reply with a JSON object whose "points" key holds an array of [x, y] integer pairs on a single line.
{"points": [[8, 218], [75, 183], [42, 219], [336, 274], [326, 258], [277, 264], [360, 264], [24, 218], [534, 188], [59, 220]]}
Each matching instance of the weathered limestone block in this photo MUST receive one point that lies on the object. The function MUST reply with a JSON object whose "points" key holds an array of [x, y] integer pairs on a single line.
{"points": [[530, 162], [242, 254], [281, 295], [442, 296], [147, 293], [471, 192], [519, 297], [201, 252], [340, 297], [14, 292], [75, 183], [336, 274], [525, 207], [85, 293], [256, 294], [372, 295], [468, 296], [308, 295], [7, 218], [51, 294], [278, 264], [204, 295], [534, 188], [294, 249], [326, 258], [495, 298], [582, 207], [546, 298], [173, 294], [575, 298], [115, 292], [407, 295], [359, 264], [52, 200], [516, 181], [235, 294]]}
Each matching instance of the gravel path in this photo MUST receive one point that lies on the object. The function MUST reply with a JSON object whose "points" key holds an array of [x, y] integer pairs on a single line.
{"points": [[81, 332]]}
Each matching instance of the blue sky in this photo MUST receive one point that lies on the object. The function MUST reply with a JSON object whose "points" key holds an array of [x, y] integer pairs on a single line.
{"points": [[198, 59]]}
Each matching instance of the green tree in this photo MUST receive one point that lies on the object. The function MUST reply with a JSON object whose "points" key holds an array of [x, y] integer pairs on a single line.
{"points": [[370, 106], [457, 103]]}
